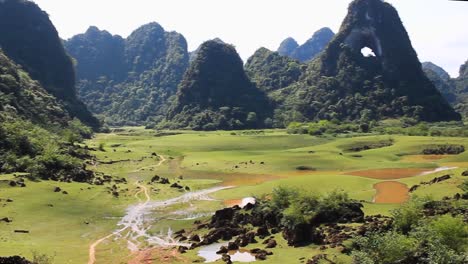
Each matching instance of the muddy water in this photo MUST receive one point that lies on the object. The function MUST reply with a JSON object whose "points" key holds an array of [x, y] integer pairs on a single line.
{"points": [[391, 192], [389, 174], [209, 254]]}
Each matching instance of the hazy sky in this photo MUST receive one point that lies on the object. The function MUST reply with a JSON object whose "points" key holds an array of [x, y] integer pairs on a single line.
{"points": [[438, 28]]}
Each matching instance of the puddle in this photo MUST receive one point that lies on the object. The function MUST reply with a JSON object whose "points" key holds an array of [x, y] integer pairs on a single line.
{"points": [[209, 254], [389, 174], [391, 192], [240, 202], [437, 170]]}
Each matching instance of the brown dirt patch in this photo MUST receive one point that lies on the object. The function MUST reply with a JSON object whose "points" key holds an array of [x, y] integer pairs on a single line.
{"points": [[424, 158], [391, 192], [233, 202], [158, 255], [388, 174]]}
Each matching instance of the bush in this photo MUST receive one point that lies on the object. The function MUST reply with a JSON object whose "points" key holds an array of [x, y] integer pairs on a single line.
{"points": [[408, 216], [450, 231], [390, 247]]}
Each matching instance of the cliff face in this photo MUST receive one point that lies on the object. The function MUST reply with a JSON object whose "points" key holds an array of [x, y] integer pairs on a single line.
{"points": [[310, 49], [31, 40], [394, 70], [129, 81], [287, 47], [217, 94]]}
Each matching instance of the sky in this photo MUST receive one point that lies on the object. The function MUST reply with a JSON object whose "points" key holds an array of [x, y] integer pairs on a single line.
{"points": [[438, 28]]}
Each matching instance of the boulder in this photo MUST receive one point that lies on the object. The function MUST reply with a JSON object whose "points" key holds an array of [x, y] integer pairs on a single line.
{"points": [[14, 260], [232, 246], [222, 250], [182, 249]]}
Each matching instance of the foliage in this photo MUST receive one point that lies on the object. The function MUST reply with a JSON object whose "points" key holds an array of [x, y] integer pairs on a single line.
{"points": [[310, 49], [271, 72], [385, 248], [129, 81], [342, 84], [415, 239], [215, 93], [299, 207], [455, 90], [30, 39], [408, 216], [36, 132]]}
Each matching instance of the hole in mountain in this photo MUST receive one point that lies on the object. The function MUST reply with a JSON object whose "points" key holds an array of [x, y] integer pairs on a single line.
{"points": [[367, 52]]}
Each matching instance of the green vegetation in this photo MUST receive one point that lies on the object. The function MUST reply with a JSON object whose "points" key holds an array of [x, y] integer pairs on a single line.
{"points": [[23, 24], [310, 49], [271, 71], [439, 239], [37, 135], [129, 81], [455, 90], [216, 94], [207, 159]]}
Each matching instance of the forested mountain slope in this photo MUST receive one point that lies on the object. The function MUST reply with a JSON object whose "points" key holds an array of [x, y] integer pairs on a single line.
{"points": [[30, 39], [129, 81]]}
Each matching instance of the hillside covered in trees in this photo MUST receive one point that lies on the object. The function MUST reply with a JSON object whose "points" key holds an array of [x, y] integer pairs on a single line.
{"points": [[310, 49], [215, 93], [134, 81], [343, 84], [30, 39], [39, 111], [455, 90], [129, 81]]}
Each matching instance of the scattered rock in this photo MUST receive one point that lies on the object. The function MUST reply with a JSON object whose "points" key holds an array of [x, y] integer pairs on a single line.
{"points": [[195, 238], [177, 186], [226, 258], [14, 260], [57, 189], [6, 220], [22, 231], [232, 246], [164, 181], [65, 192], [222, 250], [182, 249], [271, 243], [263, 231]]}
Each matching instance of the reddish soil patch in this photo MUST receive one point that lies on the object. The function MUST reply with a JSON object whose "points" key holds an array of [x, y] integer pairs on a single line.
{"points": [[391, 192], [158, 255], [388, 174], [234, 202], [424, 158]]}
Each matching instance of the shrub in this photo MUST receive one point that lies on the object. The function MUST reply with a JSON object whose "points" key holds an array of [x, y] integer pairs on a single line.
{"points": [[408, 216]]}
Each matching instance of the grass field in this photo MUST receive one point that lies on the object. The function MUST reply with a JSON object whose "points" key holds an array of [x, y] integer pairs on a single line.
{"points": [[253, 163]]}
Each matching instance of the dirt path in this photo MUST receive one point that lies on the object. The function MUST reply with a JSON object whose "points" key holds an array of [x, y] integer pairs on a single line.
{"points": [[136, 222], [163, 159], [93, 246]]}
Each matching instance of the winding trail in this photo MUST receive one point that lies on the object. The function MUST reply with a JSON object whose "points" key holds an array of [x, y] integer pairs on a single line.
{"points": [[137, 220], [92, 247]]}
